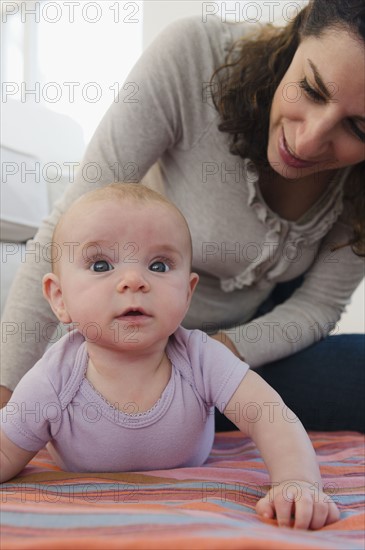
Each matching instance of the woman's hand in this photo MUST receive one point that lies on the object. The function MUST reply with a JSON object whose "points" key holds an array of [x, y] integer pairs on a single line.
{"points": [[298, 504], [224, 339], [5, 395]]}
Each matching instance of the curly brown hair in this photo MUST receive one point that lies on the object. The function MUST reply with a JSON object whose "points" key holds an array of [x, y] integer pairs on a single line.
{"points": [[245, 85]]}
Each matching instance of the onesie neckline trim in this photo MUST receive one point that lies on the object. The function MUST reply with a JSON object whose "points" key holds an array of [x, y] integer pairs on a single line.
{"points": [[79, 383]]}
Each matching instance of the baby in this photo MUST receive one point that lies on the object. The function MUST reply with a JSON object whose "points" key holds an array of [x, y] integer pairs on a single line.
{"points": [[129, 388]]}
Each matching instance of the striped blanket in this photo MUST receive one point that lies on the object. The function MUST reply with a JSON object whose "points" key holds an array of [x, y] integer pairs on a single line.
{"points": [[211, 507]]}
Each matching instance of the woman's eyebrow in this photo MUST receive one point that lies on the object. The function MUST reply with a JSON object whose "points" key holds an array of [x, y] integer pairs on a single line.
{"points": [[317, 77]]}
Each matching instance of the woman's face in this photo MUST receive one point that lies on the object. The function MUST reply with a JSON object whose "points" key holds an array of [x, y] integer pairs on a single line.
{"points": [[317, 118]]}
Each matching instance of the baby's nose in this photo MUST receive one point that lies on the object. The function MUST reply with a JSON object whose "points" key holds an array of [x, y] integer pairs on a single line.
{"points": [[133, 280]]}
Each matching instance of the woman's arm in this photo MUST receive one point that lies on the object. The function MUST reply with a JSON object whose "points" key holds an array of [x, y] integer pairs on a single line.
{"points": [[312, 311], [288, 454]]}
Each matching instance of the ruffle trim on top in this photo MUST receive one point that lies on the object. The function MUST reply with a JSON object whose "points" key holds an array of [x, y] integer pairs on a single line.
{"points": [[306, 231]]}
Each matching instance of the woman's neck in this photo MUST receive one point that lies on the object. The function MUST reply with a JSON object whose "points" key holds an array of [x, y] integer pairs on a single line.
{"points": [[291, 199]]}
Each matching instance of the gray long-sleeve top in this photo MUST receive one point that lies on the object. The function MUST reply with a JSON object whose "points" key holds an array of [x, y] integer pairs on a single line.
{"points": [[241, 248]]}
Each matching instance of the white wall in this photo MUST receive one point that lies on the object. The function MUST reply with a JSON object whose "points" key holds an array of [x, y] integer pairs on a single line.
{"points": [[70, 57]]}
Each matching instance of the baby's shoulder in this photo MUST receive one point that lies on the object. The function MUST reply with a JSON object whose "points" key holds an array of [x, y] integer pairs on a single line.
{"points": [[61, 365], [192, 349]]}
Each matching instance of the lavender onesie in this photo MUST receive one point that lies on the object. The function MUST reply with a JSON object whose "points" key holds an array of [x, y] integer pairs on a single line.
{"points": [[54, 403]]}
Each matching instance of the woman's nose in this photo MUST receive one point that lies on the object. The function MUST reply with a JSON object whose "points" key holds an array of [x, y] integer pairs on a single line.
{"points": [[133, 280], [314, 139]]}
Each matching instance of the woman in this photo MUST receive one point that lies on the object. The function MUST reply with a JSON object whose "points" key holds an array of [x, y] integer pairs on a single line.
{"points": [[265, 160]]}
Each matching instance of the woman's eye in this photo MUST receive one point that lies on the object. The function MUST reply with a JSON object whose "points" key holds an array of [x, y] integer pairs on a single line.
{"points": [[356, 130], [311, 92], [159, 267], [101, 266]]}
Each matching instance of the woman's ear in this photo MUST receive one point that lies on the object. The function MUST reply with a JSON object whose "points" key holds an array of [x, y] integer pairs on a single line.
{"points": [[52, 292]]}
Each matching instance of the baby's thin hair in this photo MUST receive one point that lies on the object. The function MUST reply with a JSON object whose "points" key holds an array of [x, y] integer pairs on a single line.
{"points": [[122, 190]]}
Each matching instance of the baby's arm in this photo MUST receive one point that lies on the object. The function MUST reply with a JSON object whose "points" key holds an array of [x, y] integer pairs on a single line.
{"points": [[288, 454], [12, 458]]}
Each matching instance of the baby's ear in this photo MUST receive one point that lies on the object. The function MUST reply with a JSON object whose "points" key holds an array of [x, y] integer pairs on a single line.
{"points": [[53, 293], [193, 281]]}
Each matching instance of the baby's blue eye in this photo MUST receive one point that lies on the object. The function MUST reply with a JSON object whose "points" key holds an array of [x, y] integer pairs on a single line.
{"points": [[159, 267], [101, 266]]}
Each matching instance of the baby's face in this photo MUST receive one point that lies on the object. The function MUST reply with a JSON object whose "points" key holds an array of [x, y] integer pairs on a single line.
{"points": [[125, 271]]}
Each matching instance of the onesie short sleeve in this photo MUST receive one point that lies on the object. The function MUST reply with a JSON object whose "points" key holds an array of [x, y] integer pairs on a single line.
{"points": [[27, 419], [216, 371], [33, 416]]}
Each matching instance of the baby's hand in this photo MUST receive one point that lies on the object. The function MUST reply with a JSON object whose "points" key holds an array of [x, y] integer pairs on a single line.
{"points": [[300, 501]]}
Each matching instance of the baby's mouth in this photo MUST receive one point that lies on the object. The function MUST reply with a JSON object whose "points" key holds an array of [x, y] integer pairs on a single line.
{"points": [[133, 312]]}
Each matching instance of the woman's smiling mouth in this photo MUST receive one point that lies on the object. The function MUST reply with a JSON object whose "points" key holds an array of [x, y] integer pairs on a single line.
{"points": [[289, 158]]}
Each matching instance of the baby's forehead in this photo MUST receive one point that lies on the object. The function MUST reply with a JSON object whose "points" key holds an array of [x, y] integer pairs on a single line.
{"points": [[97, 207]]}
